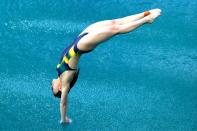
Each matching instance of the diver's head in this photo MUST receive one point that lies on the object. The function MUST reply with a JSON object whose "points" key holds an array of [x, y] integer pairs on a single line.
{"points": [[57, 87]]}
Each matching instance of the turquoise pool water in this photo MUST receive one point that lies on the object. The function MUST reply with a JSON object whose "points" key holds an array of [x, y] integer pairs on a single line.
{"points": [[144, 80]]}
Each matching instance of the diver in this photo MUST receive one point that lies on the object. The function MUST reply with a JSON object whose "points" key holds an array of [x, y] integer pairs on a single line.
{"points": [[87, 41]]}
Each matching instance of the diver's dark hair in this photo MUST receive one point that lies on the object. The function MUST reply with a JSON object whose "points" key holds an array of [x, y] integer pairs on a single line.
{"points": [[59, 93]]}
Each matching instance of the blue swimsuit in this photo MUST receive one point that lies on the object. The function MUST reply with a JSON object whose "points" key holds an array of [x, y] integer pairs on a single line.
{"points": [[68, 53]]}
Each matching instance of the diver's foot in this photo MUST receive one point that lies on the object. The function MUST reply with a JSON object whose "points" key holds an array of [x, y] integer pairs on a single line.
{"points": [[155, 10], [154, 13], [146, 13]]}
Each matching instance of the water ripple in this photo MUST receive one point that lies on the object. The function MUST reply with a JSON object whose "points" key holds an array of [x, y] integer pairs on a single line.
{"points": [[46, 26]]}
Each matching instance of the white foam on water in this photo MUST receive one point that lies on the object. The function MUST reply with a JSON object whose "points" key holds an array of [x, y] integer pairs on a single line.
{"points": [[46, 25]]}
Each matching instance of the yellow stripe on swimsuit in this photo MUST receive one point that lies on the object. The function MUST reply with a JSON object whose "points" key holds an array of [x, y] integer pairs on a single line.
{"points": [[72, 52], [66, 59]]}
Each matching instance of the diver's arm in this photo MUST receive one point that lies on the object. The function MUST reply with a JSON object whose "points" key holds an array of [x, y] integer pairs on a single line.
{"points": [[63, 103]]}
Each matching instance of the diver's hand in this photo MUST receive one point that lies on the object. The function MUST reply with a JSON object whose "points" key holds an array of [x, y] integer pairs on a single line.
{"points": [[67, 120]]}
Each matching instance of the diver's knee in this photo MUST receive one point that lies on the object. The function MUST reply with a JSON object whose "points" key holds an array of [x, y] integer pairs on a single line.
{"points": [[113, 22], [114, 29]]}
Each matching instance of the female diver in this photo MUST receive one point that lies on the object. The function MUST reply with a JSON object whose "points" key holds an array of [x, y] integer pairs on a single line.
{"points": [[88, 40]]}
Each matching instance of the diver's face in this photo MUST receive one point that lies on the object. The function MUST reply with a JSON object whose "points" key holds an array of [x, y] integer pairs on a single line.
{"points": [[56, 86]]}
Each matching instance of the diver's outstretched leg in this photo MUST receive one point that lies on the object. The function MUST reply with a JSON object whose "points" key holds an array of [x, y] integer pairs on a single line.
{"points": [[135, 17], [119, 21], [98, 35], [126, 28]]}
